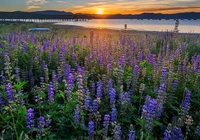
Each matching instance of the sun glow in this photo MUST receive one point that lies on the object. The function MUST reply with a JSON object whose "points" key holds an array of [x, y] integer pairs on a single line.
{"points": [[99, 11]]}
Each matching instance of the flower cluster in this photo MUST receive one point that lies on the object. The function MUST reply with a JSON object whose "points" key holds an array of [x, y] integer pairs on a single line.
{"points": [[29, 118], [9, 92]]}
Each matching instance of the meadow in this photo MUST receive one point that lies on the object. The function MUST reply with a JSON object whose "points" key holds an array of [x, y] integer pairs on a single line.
{"points": [[77, 83]]}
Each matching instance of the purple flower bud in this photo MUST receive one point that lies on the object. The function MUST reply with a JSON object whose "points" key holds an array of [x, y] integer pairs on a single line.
{"points": [[99, 89], [9, 92], [94, 106], [87, 102], [90, 128], [186, 104], [51, 93], [131, 135], [40, 125], [197, 130], [114, 115], [77, 115], [112, 95], [29, 118]]}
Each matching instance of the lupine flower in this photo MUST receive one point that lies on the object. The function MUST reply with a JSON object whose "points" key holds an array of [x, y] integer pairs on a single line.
{"points": [[160, 98], [114, 115], [90, 129], [139, 56], [29, 118], [87, 102], [117, 132], [77, 115], [112, 95], [51, 93], [186, 104], [105, 125], [1, 101], [176, 133], [197, 130], [9, 92], [99, 89], [94, 106], [149, 112], [131, 135], [163, 75], [109, 85], [40, 125], [17, 74]]}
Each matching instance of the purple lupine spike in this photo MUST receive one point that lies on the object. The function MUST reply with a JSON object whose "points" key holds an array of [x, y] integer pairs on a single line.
{"points": [[186, 104], [93, 88], [139, 57], [40, 125], [99, 89], [87, 102], [176, 133], [9, 92], [112, 95], [117, 132], [136, 71], [70, 81], [114, 115], [17, 74], [109, 85], [77, 115], [29, 118], [101, 60], [90, 129], [1, 101], [67, 70], [149, 112], [94, 106], [197, 130], [105, 125], [131, 135], [43, 64], [174, 86], [163, 75], [51, 93]]}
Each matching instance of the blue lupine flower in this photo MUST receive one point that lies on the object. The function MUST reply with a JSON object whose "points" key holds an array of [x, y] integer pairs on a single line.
{"points": [[186, 104], [131, 135], [112, 95], [77, 115], [99, 89], [94, 106], [149, 112], [105, 125], [51, 93], [90, 128], [40, 125], [29, 118], [114, 115], [176, 133], [197, 130], [9, 92], [87, 102], [117, 132]]}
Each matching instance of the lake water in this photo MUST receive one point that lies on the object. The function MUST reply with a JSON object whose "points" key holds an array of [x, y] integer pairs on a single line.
{"points": [[185, 26]]}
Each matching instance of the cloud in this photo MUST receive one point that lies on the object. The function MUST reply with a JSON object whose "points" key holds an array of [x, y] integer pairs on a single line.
{"points": [[32, 7], [60, 1], [35, 2]]}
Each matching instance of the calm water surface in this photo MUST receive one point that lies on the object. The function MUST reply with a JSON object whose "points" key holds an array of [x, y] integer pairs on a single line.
{"points": [[185, 26]]}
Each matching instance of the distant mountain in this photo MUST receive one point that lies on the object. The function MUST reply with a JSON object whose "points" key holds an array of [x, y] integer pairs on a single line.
{"points": [[53, 14]]}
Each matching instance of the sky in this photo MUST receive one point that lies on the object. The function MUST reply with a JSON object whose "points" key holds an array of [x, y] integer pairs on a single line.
{"points": [[103, 6]]}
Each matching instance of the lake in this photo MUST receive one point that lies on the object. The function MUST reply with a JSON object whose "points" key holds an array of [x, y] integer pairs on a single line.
{"points": [[185, 26]]}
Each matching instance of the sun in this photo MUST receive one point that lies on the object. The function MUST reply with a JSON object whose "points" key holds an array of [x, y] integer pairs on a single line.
{"points": [[100, 11]]}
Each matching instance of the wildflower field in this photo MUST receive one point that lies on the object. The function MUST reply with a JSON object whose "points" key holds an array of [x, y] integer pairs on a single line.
{"points": [[99, 85]]}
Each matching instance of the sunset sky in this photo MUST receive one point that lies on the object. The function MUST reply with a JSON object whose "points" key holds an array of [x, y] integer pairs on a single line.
{"points": [[103, 6]]}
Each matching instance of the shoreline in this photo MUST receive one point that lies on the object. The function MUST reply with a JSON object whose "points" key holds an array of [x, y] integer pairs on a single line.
{"points": [[53, 25]]}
